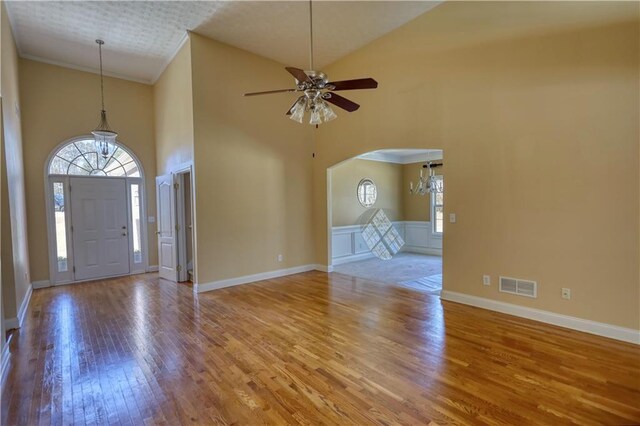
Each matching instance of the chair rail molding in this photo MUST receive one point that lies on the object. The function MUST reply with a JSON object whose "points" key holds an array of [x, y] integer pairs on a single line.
{"points": [[347, 244]]}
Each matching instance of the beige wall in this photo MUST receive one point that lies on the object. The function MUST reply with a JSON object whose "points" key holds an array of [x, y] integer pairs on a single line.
{"points": [[6, 244], [252, 166], [536, 108], [14, 211], [346, 209], [173, 108], [61, 103], [416, 207]]}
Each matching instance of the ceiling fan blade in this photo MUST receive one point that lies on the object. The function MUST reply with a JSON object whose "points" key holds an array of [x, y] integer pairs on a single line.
{"points": [[268, 92], [361, 83], [341, 102], [299, 74]]}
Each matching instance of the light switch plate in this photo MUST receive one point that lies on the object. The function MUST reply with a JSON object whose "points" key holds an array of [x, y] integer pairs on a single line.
{"points": [[452, 218]]}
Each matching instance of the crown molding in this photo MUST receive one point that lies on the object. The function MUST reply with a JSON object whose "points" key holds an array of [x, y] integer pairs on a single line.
{"points": [[84, 69], [401, 159], [165, 64]]}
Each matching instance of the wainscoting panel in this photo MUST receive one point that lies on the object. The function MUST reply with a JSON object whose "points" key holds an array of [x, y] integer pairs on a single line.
{"points": [[349, 246]]}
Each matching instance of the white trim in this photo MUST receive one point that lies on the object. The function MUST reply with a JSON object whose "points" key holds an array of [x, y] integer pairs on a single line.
{"points": [[4, 368], [181, 220], [351, 258], [24, 305], [215, 285], [11, 323], [381, 156], [421, 250], [170, 59], [152, 268], [429, 245], [598, 328], [68, 276], [323, 268], [40, 284], [84, 69]]}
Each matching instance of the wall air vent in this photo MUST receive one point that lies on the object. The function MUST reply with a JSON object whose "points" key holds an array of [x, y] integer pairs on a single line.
{"points": [[520, 287]]}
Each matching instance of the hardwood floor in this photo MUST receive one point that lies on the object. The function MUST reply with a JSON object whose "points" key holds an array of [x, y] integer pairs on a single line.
{"points": [[312, 349]]}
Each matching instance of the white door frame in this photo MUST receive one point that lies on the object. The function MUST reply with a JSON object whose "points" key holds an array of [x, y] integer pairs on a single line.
{"points": [[68, 277], [181, 220]]}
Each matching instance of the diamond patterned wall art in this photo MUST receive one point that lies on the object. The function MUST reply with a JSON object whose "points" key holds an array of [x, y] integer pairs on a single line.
{"points": [[381, 237]]}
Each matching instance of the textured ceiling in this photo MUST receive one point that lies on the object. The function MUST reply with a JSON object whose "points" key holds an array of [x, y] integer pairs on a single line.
{"points": [[141, 36]]}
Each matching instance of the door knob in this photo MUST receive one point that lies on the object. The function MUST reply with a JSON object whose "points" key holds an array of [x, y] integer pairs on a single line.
{"points": [[124, 234], [157, 232]]}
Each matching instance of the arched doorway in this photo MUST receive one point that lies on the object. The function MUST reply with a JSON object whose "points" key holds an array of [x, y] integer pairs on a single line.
{"points": [[396, 237], [95, 206]]}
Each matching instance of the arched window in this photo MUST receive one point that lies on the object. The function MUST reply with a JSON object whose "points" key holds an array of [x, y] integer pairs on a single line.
{"points": [[81, 157]]}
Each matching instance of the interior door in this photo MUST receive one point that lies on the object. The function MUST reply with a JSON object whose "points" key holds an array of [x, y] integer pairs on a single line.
{"points": [[167, 241], [99, 219]]}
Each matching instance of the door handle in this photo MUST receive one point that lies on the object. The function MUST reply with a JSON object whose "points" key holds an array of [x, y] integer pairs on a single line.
{"points": [[157, 232], [124, 234]]}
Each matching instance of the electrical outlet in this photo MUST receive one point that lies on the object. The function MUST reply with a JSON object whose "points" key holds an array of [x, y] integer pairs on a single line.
{"points": [[566, 293], [280, 258], [486, 280]]}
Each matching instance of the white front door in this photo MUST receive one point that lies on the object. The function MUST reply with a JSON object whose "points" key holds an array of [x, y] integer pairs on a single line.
{"points": [[99, 227], [167, 247]]}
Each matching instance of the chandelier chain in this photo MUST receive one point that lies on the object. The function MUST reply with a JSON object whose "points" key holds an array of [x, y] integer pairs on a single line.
{"points": [[100, 43]]}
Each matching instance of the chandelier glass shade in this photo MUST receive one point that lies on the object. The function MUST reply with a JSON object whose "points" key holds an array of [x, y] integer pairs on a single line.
{"points": [[104, 137], [320, 112], [427, 184]]}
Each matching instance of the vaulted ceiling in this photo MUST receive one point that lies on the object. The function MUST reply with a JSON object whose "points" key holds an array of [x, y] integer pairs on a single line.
{"points": [[142, 36]]}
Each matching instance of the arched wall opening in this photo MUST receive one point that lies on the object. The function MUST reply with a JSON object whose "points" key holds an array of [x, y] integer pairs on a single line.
{"points": [[417, 218]]}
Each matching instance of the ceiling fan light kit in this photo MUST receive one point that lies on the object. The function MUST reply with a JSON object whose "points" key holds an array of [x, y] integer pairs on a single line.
{"points": [[318, 91]]}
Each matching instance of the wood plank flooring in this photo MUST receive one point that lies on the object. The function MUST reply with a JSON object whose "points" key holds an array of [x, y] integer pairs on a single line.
{"points": [[306, 349]]}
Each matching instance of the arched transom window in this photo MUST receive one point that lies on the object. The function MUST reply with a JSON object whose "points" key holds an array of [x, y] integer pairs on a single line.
{"points": [[81, 157]]}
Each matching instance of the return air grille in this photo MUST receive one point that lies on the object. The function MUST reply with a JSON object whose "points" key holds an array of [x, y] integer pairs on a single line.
{"points": [[519, 287]]}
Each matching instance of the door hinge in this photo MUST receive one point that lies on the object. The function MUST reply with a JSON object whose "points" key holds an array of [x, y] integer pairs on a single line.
{"points": [[179, 268], [176, 186], [177, 227], [71, 228], [69, 187], [74, 269]]}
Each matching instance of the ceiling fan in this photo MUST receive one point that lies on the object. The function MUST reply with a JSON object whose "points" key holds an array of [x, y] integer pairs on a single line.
{"points": [[317, 90]]}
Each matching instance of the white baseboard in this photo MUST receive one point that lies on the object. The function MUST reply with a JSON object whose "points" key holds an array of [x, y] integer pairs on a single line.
{"points": [[40, 284], [152, 268], [352, 258], [422, 250], [323, 268], [24, 305], [215, 285], [4, 365], [598, 328]]}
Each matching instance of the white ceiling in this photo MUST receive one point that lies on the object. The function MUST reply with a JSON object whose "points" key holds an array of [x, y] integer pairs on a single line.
{"points": [[143, 36], [403, 156]]}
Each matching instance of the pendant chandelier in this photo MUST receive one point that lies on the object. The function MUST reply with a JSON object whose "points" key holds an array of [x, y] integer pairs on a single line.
{"points": [[428, 184], [104, 137]]}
